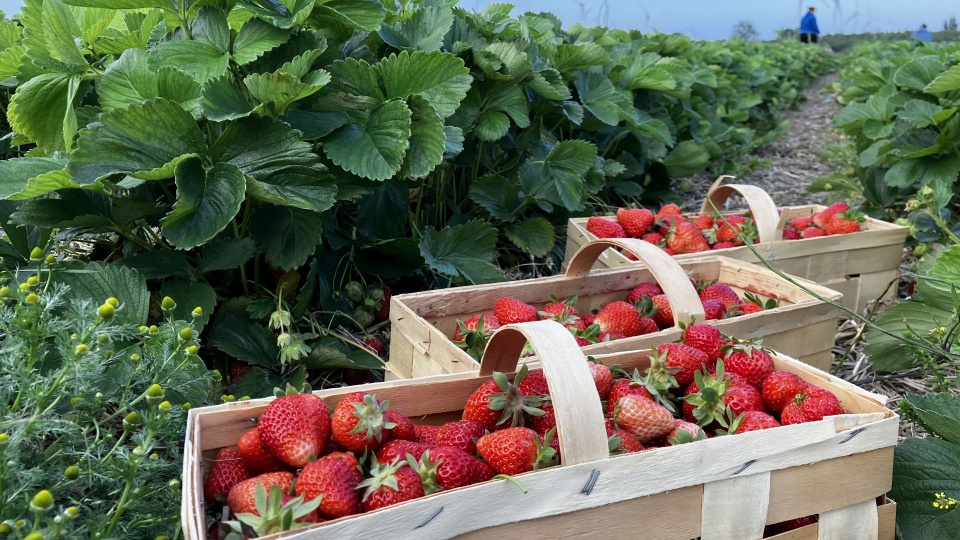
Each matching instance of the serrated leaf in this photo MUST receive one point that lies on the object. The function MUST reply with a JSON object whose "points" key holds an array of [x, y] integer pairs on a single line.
{"points": [[123, 4], [492, 126], [280, 13], [403, 254], [356, 14], [939, 173], [646, 126], [286, 235], [548, 84], [315, 125], [330, 353], [96, 282], [533, 235], [189, 295], [465, 250], [60, 28], [571, 58], [422, 31], [130, 81], [246, 341], [922, 469], [947, 81], [206, 202], [919, 113], [687, 158], [10, 61], [226, 254], [222, 100], [599, 96], [919, 73], [642, 73], [283, 89], [375, 148], [255, 38], [439, 77], [261, 147], [159, 264], [23, 178], [939, 414], [146, 141], [384, 213], [200, 60], [427, 140], [40, 110], [910, 316], [453, 140], [497, 195], [310, 188], [559, 174], [210, 26]]}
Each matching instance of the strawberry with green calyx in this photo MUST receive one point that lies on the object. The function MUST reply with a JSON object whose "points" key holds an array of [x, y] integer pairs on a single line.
{"points": [[602, 377], [398, 449], [511, 311], [643, 418], [820, 219], [604, 228], [683, 237], [295, 427], [779, 388], [811, 405], [462, 434], [228, 470], [719, 291], [635, 221], [516, 450], [427, 434], [359, 423], [812, 232], [501, 403], [622, 442], [274, 513], [754, 303], [749, 359], [644, 289], [704, 337], [242, 497], [334, 481], [753, 421], [446, 467], [619, 317], [473, 335], [655, 384], [685, 432], [714, 310], [845, 222], [403, 428], [703, 399], [683, 360], [389, 484], [647, 310], [663, 315]]}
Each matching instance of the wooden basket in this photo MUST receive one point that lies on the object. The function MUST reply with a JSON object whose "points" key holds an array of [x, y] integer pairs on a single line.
{"points": [[802, 326], [860, 265], [720, 488]]}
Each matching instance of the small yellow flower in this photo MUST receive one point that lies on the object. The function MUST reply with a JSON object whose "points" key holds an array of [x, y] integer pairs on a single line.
{"points": [[943, 502]]}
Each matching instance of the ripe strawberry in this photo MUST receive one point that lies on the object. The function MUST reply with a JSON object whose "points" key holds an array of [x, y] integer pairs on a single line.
{"points": [[625, 387], [787, 526], [664, 314], [779, 388], [534, 383], [237, 369], [374, 344], [820, 219], [723, 245], [813, 404], [426, 434], [602, 378], [336, 482], [742, 398], [644, 289], [684, 432], [228, 470], [648, 326], [543, 423], [714, 309], [669, 251], [462, 434], [703, 222], [256, 458], [705, 400], [295, 427], [390, 484], [749, 308], [514, 450], [446, 467], [604, 228], [750, 361], [500, 403], [721, 292], [242, 497], [474, 324], [383, 313], [635, 221], [685, 359], [560, 310], [629, 255], [395, 449], [619, 318], [403, 428], [622, 442], [588, 319], [359, 423], [654, 238], [813, 232], [511, 310], [736, 229], [668, 209], [790, 233], [685, 238], [845, 223], [706, 338], [644, 418], [754, 421], [800, 223]]}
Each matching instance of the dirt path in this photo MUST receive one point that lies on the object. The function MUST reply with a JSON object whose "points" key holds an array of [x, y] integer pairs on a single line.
{"points": [[795, 158]]}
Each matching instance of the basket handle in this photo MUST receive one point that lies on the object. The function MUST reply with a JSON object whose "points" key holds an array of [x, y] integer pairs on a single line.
{"points": [[576, 405], [684, 300], [761, 205]]}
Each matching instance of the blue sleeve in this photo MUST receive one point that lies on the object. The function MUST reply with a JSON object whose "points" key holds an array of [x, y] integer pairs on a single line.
{"points": [[816, 29]]}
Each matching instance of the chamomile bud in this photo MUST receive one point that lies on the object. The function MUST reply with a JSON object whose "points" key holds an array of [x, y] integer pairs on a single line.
{"points": [[81, 349], [23, 287], [106, 312], [32, 298], [193, 349], [36, 254], [164, 407], [41, 502], [197, 311], [154, 394], [113, 302], [167, 303], [131, 421], [50, 259], [72, 472], [186, 334], [33, 281], [71, 512], [4, 291]]}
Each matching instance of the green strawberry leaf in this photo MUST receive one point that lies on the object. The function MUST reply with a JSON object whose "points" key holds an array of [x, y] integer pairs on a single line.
{"points": [[533, 235], [286, 235], [926, 486], [373, 148], [463, 251], [206, 202], [422, 31]]}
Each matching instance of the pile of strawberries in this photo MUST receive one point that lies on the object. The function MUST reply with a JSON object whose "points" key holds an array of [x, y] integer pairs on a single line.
{"points": [[363, 455], [644, 310], [677, 234]]}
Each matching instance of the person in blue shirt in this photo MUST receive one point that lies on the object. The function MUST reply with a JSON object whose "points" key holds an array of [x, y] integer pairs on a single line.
{"points": [[922, 34], [808, 26]]}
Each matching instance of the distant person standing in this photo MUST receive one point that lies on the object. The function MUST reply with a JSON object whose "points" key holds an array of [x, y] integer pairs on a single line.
{"points": [[809, 31], [922, 34]]}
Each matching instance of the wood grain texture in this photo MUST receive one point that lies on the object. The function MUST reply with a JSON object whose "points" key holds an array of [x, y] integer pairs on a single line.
{"points": [[762, 207], [855, 522], [736, 508]]}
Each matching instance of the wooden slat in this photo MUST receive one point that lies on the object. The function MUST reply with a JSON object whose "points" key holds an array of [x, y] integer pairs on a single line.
{"points": [[735, 508], [855, 522]]}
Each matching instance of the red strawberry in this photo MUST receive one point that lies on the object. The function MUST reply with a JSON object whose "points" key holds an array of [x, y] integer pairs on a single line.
{"points": [[473, 324], [664, 314], [713, 395], [560, 310], [648, 326], [669, 251], [790, 233], [256, 458], [814, 404], [779, 388], [237, 369], [395, 449], [644, 418], [629, 255], [654, 238], [620, 318], [685, 238], [750, 361], [374, 344], [390, 484], [227, 471], [500, 403], [749, 308], [820, 219], [644, 289], [403, 429], [295, 427], [635, 221], [534, 383], [604, 228], [602, 378], [800, 223], [706, 338], [626, 443], [446, 467], [736, 229], [714, 309], [703, 222], [514, 450], [336, 482], [845, 223], [787, 526], [754, 421], [742, 398], [543, 423], [588, 319], [722, 292], [684, 432], [426, 434], [792, 413], [242, 497], [383, 313], [667, 210], [511, 310], [625, 387], [462, 434], [684, 358], [359, 423]]}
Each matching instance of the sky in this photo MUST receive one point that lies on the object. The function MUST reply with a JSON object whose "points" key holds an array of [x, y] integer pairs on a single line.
{"points": [[715, 19]]}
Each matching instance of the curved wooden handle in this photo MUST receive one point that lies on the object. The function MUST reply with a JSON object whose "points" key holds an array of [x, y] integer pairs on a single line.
{"points": [[761, 205], [684, 300], [576, 405]]}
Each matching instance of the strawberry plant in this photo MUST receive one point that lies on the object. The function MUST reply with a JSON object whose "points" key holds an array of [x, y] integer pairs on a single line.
{"points": [[92, 408]]}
